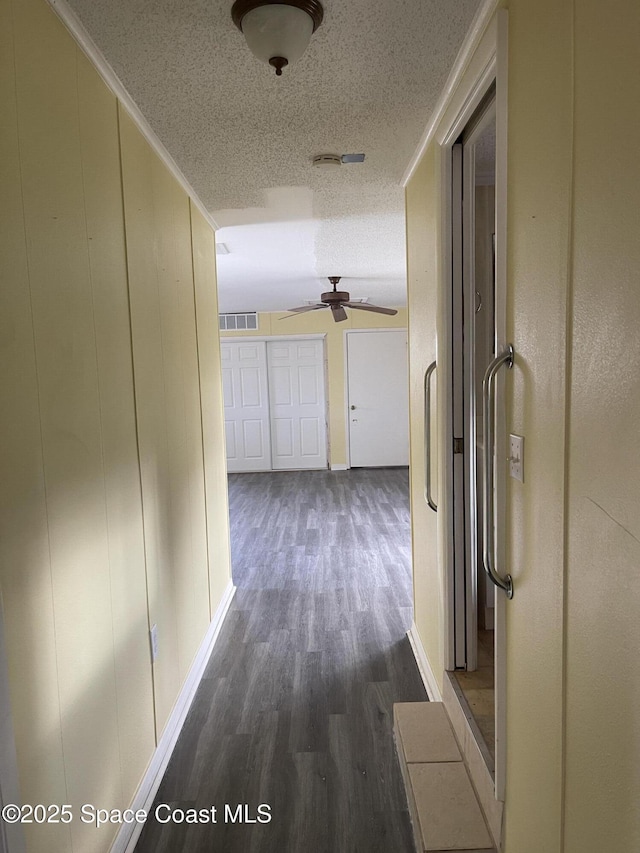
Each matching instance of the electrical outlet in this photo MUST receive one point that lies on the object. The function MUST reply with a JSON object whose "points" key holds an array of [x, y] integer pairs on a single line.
{"points": [[516, 457], [153, 636]]}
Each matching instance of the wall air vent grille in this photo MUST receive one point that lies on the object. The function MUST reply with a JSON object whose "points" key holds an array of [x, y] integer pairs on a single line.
{"points": [[238, 322]]}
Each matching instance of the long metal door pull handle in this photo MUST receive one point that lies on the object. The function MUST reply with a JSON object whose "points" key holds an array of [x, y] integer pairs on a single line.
{"points": [[488, 411], [427, 436]]}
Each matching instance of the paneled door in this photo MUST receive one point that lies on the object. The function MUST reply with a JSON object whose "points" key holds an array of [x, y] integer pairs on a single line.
{"points": [[378, 391], [246, 405], [297, 404]]}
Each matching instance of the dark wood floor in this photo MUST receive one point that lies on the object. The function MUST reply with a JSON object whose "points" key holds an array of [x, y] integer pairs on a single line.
{"points": [[295, 709]]}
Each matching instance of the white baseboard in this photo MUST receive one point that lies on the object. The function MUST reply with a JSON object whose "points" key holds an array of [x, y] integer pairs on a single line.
{"points": [[128, 835], [338, 467], [424, 667]]}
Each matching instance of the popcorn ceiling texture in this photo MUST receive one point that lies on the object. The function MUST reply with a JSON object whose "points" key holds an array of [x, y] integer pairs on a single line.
{"points": [[367, 82]]}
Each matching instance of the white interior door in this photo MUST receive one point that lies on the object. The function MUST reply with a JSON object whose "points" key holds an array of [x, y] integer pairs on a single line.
{"points": [[246, 405], [297, 404], [378, 392]]}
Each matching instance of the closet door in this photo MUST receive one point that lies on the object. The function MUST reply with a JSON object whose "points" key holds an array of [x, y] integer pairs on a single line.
{"points": [[298, 411], [246, 405]]}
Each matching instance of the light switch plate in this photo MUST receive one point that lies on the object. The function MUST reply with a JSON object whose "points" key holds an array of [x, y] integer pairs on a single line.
{"points": [[516, 457]]}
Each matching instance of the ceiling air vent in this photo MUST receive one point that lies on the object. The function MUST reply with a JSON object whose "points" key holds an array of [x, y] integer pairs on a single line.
{"points": [[238, 322]]}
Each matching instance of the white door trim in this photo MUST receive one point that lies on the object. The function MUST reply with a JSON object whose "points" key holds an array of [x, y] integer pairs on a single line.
{"points": [[474, 35], [466, 98], [345, 350], [486, 61]]}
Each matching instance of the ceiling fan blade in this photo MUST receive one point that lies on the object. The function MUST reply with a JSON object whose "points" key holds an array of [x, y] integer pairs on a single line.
{"points": [[361, 306], [338, 313], [301, 310]]}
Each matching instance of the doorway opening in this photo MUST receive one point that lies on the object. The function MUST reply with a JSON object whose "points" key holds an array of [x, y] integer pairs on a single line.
{"points": [[474, 336]]}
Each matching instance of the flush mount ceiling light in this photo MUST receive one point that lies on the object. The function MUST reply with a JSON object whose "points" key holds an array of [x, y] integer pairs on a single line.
{"points": [[277, 33]]}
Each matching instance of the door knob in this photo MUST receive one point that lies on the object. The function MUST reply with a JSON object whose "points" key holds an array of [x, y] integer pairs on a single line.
{"points": [[352, 408]]}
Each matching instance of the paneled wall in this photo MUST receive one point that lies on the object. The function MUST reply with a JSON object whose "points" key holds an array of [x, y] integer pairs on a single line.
{"points": [[165, 360], [212, 406], [112, 500]]}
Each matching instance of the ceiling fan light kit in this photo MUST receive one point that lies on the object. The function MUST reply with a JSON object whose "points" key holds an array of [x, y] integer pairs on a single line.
{"points": [[277, 33], [337, 301]]}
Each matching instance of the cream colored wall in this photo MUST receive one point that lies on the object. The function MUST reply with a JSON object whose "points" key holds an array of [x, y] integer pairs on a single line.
{"points": [[422, 201], [539, 208], [572, 537], [321, 322], [603, 581], [538, 232], [165, 364], [86, 558], [215, 463]]}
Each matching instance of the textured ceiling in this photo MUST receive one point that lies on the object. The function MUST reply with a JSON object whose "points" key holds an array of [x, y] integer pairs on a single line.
{"points": [[244, 139]]}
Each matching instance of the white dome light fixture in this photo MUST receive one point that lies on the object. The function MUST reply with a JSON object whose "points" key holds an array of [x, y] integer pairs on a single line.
{"points": [[277, 33]]}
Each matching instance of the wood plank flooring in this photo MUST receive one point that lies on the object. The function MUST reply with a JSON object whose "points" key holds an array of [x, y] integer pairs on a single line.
{"points": [[295, 709]]}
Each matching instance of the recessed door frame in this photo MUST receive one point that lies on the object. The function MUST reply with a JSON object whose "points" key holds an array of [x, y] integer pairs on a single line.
{"points": [[465, 369], [488, 64]]}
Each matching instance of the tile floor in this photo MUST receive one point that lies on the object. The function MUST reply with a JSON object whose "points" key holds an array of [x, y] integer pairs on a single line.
{"points": [[446, 814], [479, 692]]}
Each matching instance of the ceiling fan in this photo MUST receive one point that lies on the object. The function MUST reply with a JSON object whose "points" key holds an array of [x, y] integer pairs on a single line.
{"points": [[337, 300]]}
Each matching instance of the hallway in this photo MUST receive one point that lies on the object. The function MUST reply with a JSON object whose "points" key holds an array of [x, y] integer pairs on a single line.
{"points": [[295, 709]]}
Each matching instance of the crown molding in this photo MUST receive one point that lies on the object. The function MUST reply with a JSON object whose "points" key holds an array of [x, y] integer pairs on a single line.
{"points": [[478, 26], [80, 35]]}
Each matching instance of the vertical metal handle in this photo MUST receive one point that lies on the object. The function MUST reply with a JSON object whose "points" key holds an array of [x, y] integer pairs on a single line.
{"points": [[427, 436], [488, 409]]}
